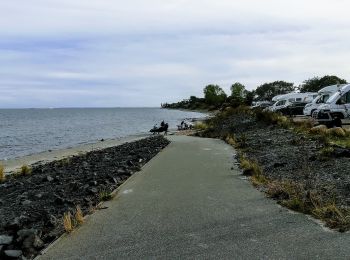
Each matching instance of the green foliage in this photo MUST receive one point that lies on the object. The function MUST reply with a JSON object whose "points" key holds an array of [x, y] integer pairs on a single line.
{"points": [[249, 97], [104, 195], [214, 95], [267, 91], [315, 84], [238, 91], [200, 126]]}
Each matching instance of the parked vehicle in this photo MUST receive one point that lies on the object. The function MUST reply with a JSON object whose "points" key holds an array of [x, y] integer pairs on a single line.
{"points": [[261, 104], [287, 100], [336, 108], [323, 96], [292, 109]]}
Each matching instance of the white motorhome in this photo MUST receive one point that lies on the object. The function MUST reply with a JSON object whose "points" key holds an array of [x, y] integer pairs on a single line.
{"points": [[336, 108], [323, 95], [282, 101]]}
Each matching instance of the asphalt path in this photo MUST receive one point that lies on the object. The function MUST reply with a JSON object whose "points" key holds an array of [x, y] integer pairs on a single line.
{"points": [[189, 203]]}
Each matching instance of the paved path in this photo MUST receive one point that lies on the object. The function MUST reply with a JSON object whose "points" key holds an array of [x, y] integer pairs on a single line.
{"points": [[187, 203]]}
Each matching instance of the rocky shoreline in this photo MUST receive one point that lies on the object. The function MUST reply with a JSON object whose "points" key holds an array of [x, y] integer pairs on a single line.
{"points": [[33, 204], [300, 170]]}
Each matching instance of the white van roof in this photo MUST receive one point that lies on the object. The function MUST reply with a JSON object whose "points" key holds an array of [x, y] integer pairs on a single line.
{"points": [[331, 89], [294, 95]]}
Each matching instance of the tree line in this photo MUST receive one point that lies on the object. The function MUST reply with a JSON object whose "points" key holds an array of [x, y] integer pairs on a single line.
{"points": [[215, 96]]}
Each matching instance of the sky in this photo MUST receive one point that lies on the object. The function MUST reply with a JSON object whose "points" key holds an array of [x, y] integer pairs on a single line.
{"points": [[138, 53]]}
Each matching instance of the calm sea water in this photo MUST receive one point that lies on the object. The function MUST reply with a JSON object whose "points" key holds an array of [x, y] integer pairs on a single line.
{"points": [[29, 131]]}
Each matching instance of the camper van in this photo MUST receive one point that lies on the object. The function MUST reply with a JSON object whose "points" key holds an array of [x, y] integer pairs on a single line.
{"points": [[323, 95], [283, 101], [336, 108]]}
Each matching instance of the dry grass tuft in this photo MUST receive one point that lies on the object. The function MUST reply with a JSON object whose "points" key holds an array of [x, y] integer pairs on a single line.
{"points": [[79, 217], [273, 118], [230, 139], [249, 167], [200, 126], [252, 168], [320, 129], [25, 170], [306, 125], [337, 132], [2, 173], [68, 222]]}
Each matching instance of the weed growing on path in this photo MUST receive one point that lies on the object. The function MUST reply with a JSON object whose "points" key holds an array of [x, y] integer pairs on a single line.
{"points": [[67, 222], [79, 217]]}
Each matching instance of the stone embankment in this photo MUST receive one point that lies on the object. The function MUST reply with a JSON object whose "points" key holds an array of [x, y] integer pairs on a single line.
{"points": [[32, 205]]}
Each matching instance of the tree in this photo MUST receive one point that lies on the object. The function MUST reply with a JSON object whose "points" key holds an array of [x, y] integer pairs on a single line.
{"points": [[214, 95], [238, 92], [249, 97], [267, 91], [315, 84]]}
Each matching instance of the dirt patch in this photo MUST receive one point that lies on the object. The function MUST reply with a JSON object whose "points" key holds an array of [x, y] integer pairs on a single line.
{"points": [[32, 206]]}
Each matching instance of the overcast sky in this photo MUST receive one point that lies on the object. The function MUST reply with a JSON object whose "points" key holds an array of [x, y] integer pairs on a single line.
{"points": [[97, 53]]}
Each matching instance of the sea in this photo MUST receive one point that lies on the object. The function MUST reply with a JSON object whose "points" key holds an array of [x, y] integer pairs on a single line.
{"points": [[30, 131]]}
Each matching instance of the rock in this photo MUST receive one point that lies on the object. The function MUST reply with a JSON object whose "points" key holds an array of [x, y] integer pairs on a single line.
{"points": [[53, 220], [32, 241], [6, 240], [23, 233], [49, 179], [13, 253], [17, 223], [341, 152], [121, 171], [26, 202], [93, 190], [130, 163], [39, 195], [59, 200], [279, 164], [93, 183]]}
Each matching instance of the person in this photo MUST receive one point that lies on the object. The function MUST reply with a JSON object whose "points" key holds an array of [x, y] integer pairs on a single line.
{"points": [[162, 124], [182, 124], [166, 126]]}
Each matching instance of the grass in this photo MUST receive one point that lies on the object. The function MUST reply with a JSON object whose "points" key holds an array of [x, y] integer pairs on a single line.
{"points": [[326, 151], [200, 126], [293, 195], [104, 195], [273, 118], [230, 139], [79, 217], [298, 198], [2, 173], [252, 169], [25, 170], [68, 222]]}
